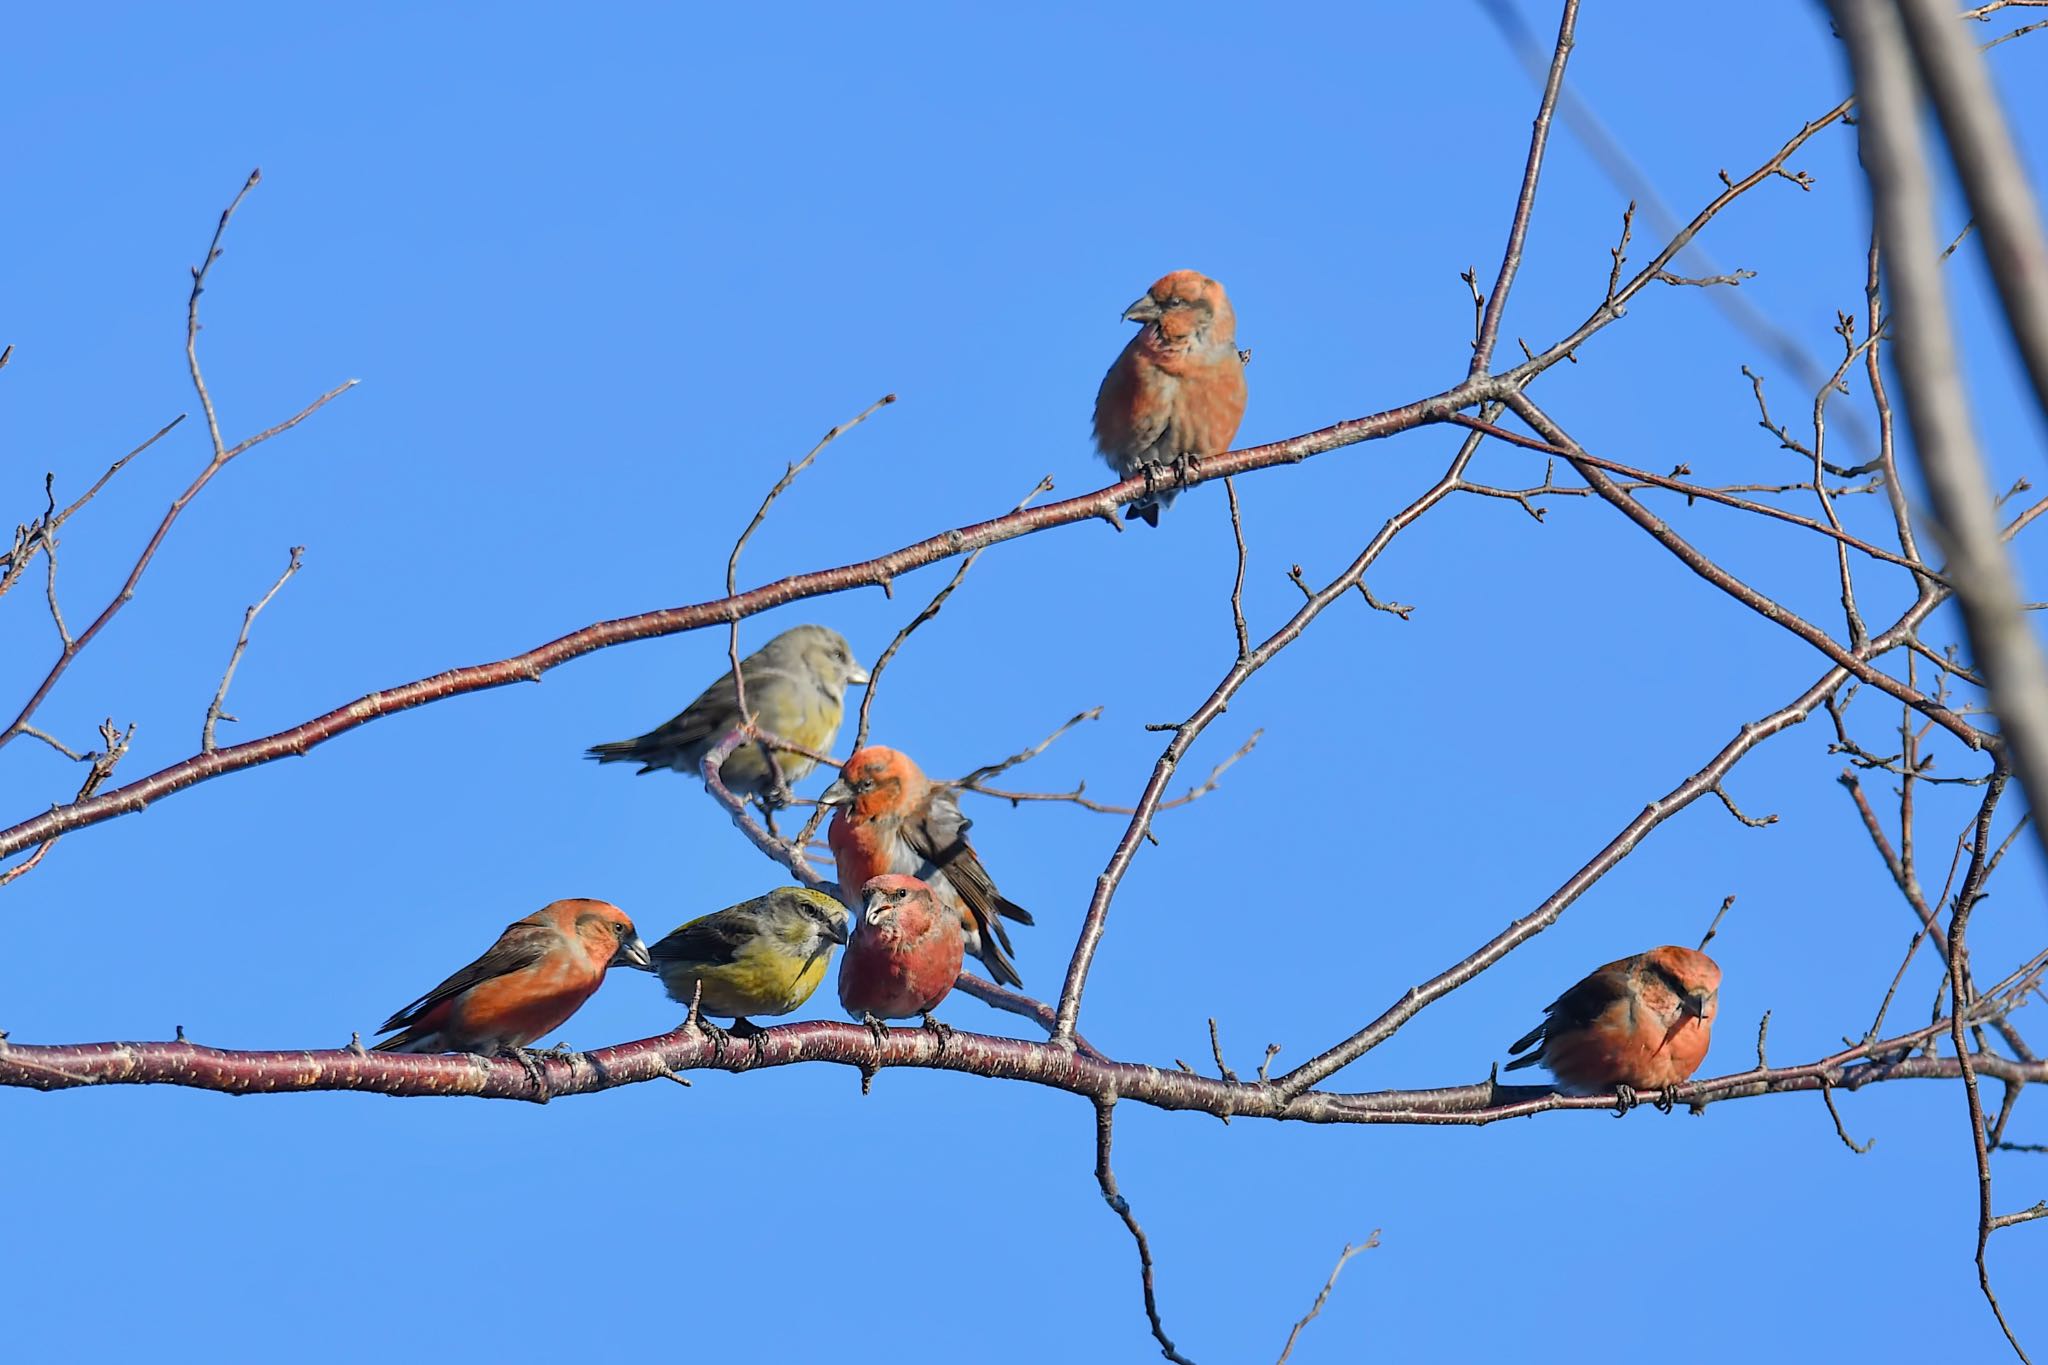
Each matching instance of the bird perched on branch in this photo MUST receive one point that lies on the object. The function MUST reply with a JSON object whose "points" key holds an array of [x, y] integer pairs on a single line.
{"points": [[538, 973], [1177, 392], [764, 956], [892, 818], [904, 956], [1641, 1023], [796, 690]]}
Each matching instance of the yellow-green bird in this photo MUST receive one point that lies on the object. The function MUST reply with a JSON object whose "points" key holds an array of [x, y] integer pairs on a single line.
{"points": [[763, 956], [796, 690]]}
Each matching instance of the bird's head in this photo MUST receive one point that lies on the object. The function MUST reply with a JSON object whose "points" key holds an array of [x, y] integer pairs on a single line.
{"points": [[1187, 309], [875, 782], [819, 652], [607, 932], [808, 922], [1692, 979], [895, 904]]}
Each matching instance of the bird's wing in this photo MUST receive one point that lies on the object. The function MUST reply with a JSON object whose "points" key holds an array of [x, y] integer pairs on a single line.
{"points": [[939, 836], [1576, 1008], [710, 941], [519, 947], [1125, 422]]}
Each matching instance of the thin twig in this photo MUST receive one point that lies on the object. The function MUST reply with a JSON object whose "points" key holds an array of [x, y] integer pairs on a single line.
{"points": [[1244, 640], [220, 696], [929, 610], [1105, 1178], [1323, 1297], [1525, 200], [222, 454], [732, 570], [1715, 926]]}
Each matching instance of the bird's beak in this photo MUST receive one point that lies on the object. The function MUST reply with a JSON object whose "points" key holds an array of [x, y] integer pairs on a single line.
{"points": [[1694, 1004], [1144, 310], [632, 953], [839, 930], [858, 676], [838, 794]]}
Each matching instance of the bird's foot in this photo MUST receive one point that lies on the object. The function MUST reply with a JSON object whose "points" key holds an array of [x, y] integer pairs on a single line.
{"points": [[876, 1027], [1665, 1102], [710, 1030], [944, 1031], [1184, 468], [754, 1034], [529, 1062], [1624, 1099]]}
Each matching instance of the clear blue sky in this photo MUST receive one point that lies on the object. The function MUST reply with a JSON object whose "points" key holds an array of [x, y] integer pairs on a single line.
{"points": [[601, 277]]}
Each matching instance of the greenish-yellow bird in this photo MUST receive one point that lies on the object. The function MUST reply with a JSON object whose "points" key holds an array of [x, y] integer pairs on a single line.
{"points": [[764, 956]]}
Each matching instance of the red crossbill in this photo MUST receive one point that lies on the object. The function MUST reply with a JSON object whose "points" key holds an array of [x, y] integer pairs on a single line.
{"points": [[892, 818], [538, 973], [796, 690], [763, 956], [1638, 1024], [1177, 392], [905, 953]]}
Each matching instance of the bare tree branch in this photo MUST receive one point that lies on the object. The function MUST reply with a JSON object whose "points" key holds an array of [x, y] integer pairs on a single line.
{"points": [[1343, 1259], [214, 713]]}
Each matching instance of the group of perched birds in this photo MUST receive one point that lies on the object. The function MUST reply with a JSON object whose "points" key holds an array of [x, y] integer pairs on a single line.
{"points": [[914, 899]]}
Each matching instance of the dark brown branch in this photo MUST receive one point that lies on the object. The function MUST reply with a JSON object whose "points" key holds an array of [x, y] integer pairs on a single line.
{"points": [[1691, 490], [1767, 608]]}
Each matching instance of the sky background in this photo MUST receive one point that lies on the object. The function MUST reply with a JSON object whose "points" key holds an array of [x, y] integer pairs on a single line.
{"points": [[601, 275]]}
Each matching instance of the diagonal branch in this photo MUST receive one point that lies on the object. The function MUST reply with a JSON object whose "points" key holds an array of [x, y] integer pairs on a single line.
{"points": [[1186, 732], [529, 666]]}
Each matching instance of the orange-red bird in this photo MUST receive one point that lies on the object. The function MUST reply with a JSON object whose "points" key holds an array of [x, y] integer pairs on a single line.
{"points": [[1177, 392], [538, 973], [1638, 1024], [892, 818], [904, 955]]}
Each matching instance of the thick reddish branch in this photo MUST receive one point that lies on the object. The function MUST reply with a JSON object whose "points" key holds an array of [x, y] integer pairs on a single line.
{"points": [[883, 569], [259, 1073]]}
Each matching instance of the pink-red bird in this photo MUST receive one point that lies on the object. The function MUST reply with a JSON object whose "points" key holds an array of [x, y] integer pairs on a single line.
{"points": [[538, 973], [904, 955], [892, 818], [1642, 1023], [1177, 392]]}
